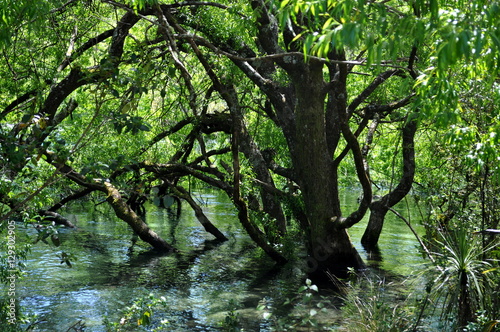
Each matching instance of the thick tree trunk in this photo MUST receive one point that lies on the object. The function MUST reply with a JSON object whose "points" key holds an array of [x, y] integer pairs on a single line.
{"points": [[332, 253], [330, 249], [465, 310]]}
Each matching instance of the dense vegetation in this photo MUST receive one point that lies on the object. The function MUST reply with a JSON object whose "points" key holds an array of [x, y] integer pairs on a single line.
{"points": [[279, 104]]}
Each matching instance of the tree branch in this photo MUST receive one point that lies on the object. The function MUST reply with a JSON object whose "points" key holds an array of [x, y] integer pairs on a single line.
{"points": [[114, 198], [371, 88], [202, 218], [90, 43]]}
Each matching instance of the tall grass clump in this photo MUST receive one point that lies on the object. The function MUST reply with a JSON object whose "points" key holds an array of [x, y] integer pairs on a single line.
{"points": [[372, 306]]}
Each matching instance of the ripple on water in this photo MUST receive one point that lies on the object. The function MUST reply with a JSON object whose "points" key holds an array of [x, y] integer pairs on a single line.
{"points": [[201, 285]]}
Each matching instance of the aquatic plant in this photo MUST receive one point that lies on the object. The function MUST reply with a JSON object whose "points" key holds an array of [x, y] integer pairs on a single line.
{"points": [[305, 306], [368, 307], [139, 316]]}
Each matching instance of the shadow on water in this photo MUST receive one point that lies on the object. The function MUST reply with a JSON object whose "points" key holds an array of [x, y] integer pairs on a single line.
{"points": [[201, 283]]}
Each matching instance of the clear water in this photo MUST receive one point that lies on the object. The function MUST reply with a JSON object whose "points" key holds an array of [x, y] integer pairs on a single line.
{"points": [[201, 283]]}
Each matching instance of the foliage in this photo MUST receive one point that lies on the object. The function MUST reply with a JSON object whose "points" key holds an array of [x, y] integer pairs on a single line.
{"points": [[482, 324], [139, 316], [368, 307], [15, 13], [121, 97], [306, 305], [376, 28], [462, 285], [231, 322]]}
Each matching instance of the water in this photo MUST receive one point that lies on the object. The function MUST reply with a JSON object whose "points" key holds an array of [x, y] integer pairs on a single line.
{"points": [[201, 284]]}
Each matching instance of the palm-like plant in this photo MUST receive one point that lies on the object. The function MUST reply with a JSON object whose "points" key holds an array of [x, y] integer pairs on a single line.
{"points": [[461, 281]]}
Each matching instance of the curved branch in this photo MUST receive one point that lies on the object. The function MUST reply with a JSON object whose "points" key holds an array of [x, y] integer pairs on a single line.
{"points": [[411, 61], [176, 170], [209, 154], [406, 181], [368, 113], [363, 177], [178, 126], [90, 43], [79, 194], [119, 34], [56, 218], [387, 108], [379, 208], [174, 5]]}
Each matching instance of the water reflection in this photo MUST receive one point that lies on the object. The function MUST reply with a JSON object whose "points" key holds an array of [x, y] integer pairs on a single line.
{"points": [[201, 282]]}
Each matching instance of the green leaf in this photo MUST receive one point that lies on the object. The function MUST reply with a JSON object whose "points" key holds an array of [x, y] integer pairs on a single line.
{"points": [[301, 289], [146, 318], [284, 3], [327, 24]]}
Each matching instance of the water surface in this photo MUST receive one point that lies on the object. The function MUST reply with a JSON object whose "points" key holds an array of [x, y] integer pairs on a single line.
{"points": [[201, 284]]}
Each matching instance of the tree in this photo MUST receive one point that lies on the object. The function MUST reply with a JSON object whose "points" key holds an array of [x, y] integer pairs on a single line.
{"points": [[324, 76]]}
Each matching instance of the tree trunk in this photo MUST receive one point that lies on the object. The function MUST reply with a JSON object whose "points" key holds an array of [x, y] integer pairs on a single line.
{"points": [[465, 312], [378, 209], [270, 202], [329, 248]]}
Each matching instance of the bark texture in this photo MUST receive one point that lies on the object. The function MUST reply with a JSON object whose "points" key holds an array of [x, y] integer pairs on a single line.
{"points": [[116, 201]]}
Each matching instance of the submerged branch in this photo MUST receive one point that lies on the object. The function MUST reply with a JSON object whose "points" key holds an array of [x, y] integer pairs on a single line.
{"points": [[202, 218], [114, 198], [56, 218], [428, 253]]}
